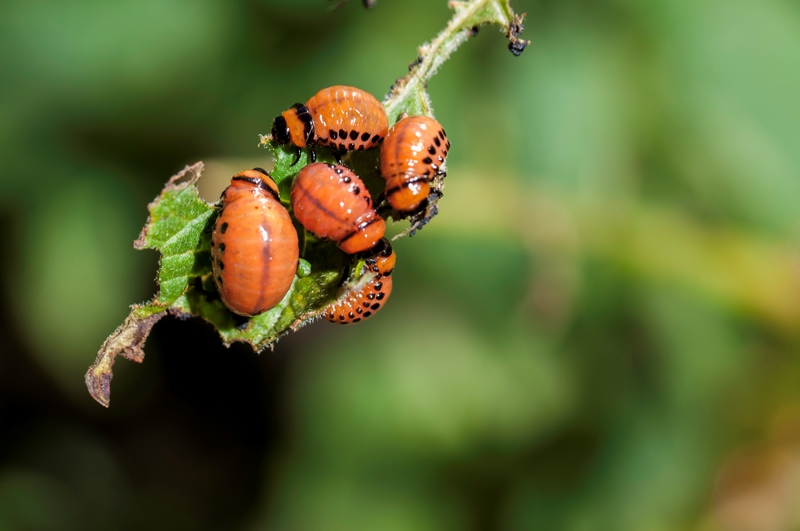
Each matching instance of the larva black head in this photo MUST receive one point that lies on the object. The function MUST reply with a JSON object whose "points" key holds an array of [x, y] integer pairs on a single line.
{"points": [[280, 131], [383, 248]]}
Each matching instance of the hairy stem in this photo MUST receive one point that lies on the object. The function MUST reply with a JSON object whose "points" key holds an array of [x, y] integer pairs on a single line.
{"points": [[408, 94]]}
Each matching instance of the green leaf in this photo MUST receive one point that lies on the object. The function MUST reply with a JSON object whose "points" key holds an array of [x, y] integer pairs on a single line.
{"points": [[180, 225]]}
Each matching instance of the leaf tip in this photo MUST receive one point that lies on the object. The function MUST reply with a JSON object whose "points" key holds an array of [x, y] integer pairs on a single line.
{"points": [[127, 340], [188, 176], [98, 382]]}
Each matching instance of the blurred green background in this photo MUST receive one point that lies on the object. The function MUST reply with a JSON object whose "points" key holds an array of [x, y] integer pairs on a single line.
{"points": [[600, 330]]}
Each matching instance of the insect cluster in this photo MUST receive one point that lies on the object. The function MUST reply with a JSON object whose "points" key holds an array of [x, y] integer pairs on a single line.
{"points": [[255, 247]]}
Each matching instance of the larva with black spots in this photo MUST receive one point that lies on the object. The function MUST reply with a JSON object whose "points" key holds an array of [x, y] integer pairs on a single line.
{"points": [[340, 117], [331, 201], [254, 245], [412, 155], [363, 301]]}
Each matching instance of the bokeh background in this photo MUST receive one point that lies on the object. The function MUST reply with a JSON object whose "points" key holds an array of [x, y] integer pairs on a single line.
{"points": [[600, 330]]}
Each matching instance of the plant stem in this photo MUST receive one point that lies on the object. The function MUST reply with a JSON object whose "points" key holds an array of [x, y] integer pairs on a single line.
{"points": [[408, 94]]}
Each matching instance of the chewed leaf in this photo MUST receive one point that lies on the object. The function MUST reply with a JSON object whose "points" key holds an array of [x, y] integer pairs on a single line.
{"points": [[179, 227]]}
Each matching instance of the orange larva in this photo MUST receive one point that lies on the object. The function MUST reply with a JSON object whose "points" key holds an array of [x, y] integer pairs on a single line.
{"points": [[340, 117], [365, 299], [412, 155], [332, 202], [254, 247]]}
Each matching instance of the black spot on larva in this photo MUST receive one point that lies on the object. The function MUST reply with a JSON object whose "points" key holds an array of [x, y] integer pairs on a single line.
{"points": [[364, 137], [219, 280], [441, 158], [432, 150], [351, 146], [353, 135], [224, 227], [427, 160], [437, 141], [351, 315], [343, 134], [378, 286], [212, 244], [375, 269], [371, 296], [365, 304], [342, 147], [356, 190], [341, 317], [367, 314], [356, 320], [359, 311], [221, 265], [338, 170], [387, 273], [375, 139], [346, 179], [361, 147], [376, 306], [380, 296], [441, 134], [333, 134], [222, 248], [370, 261]]}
